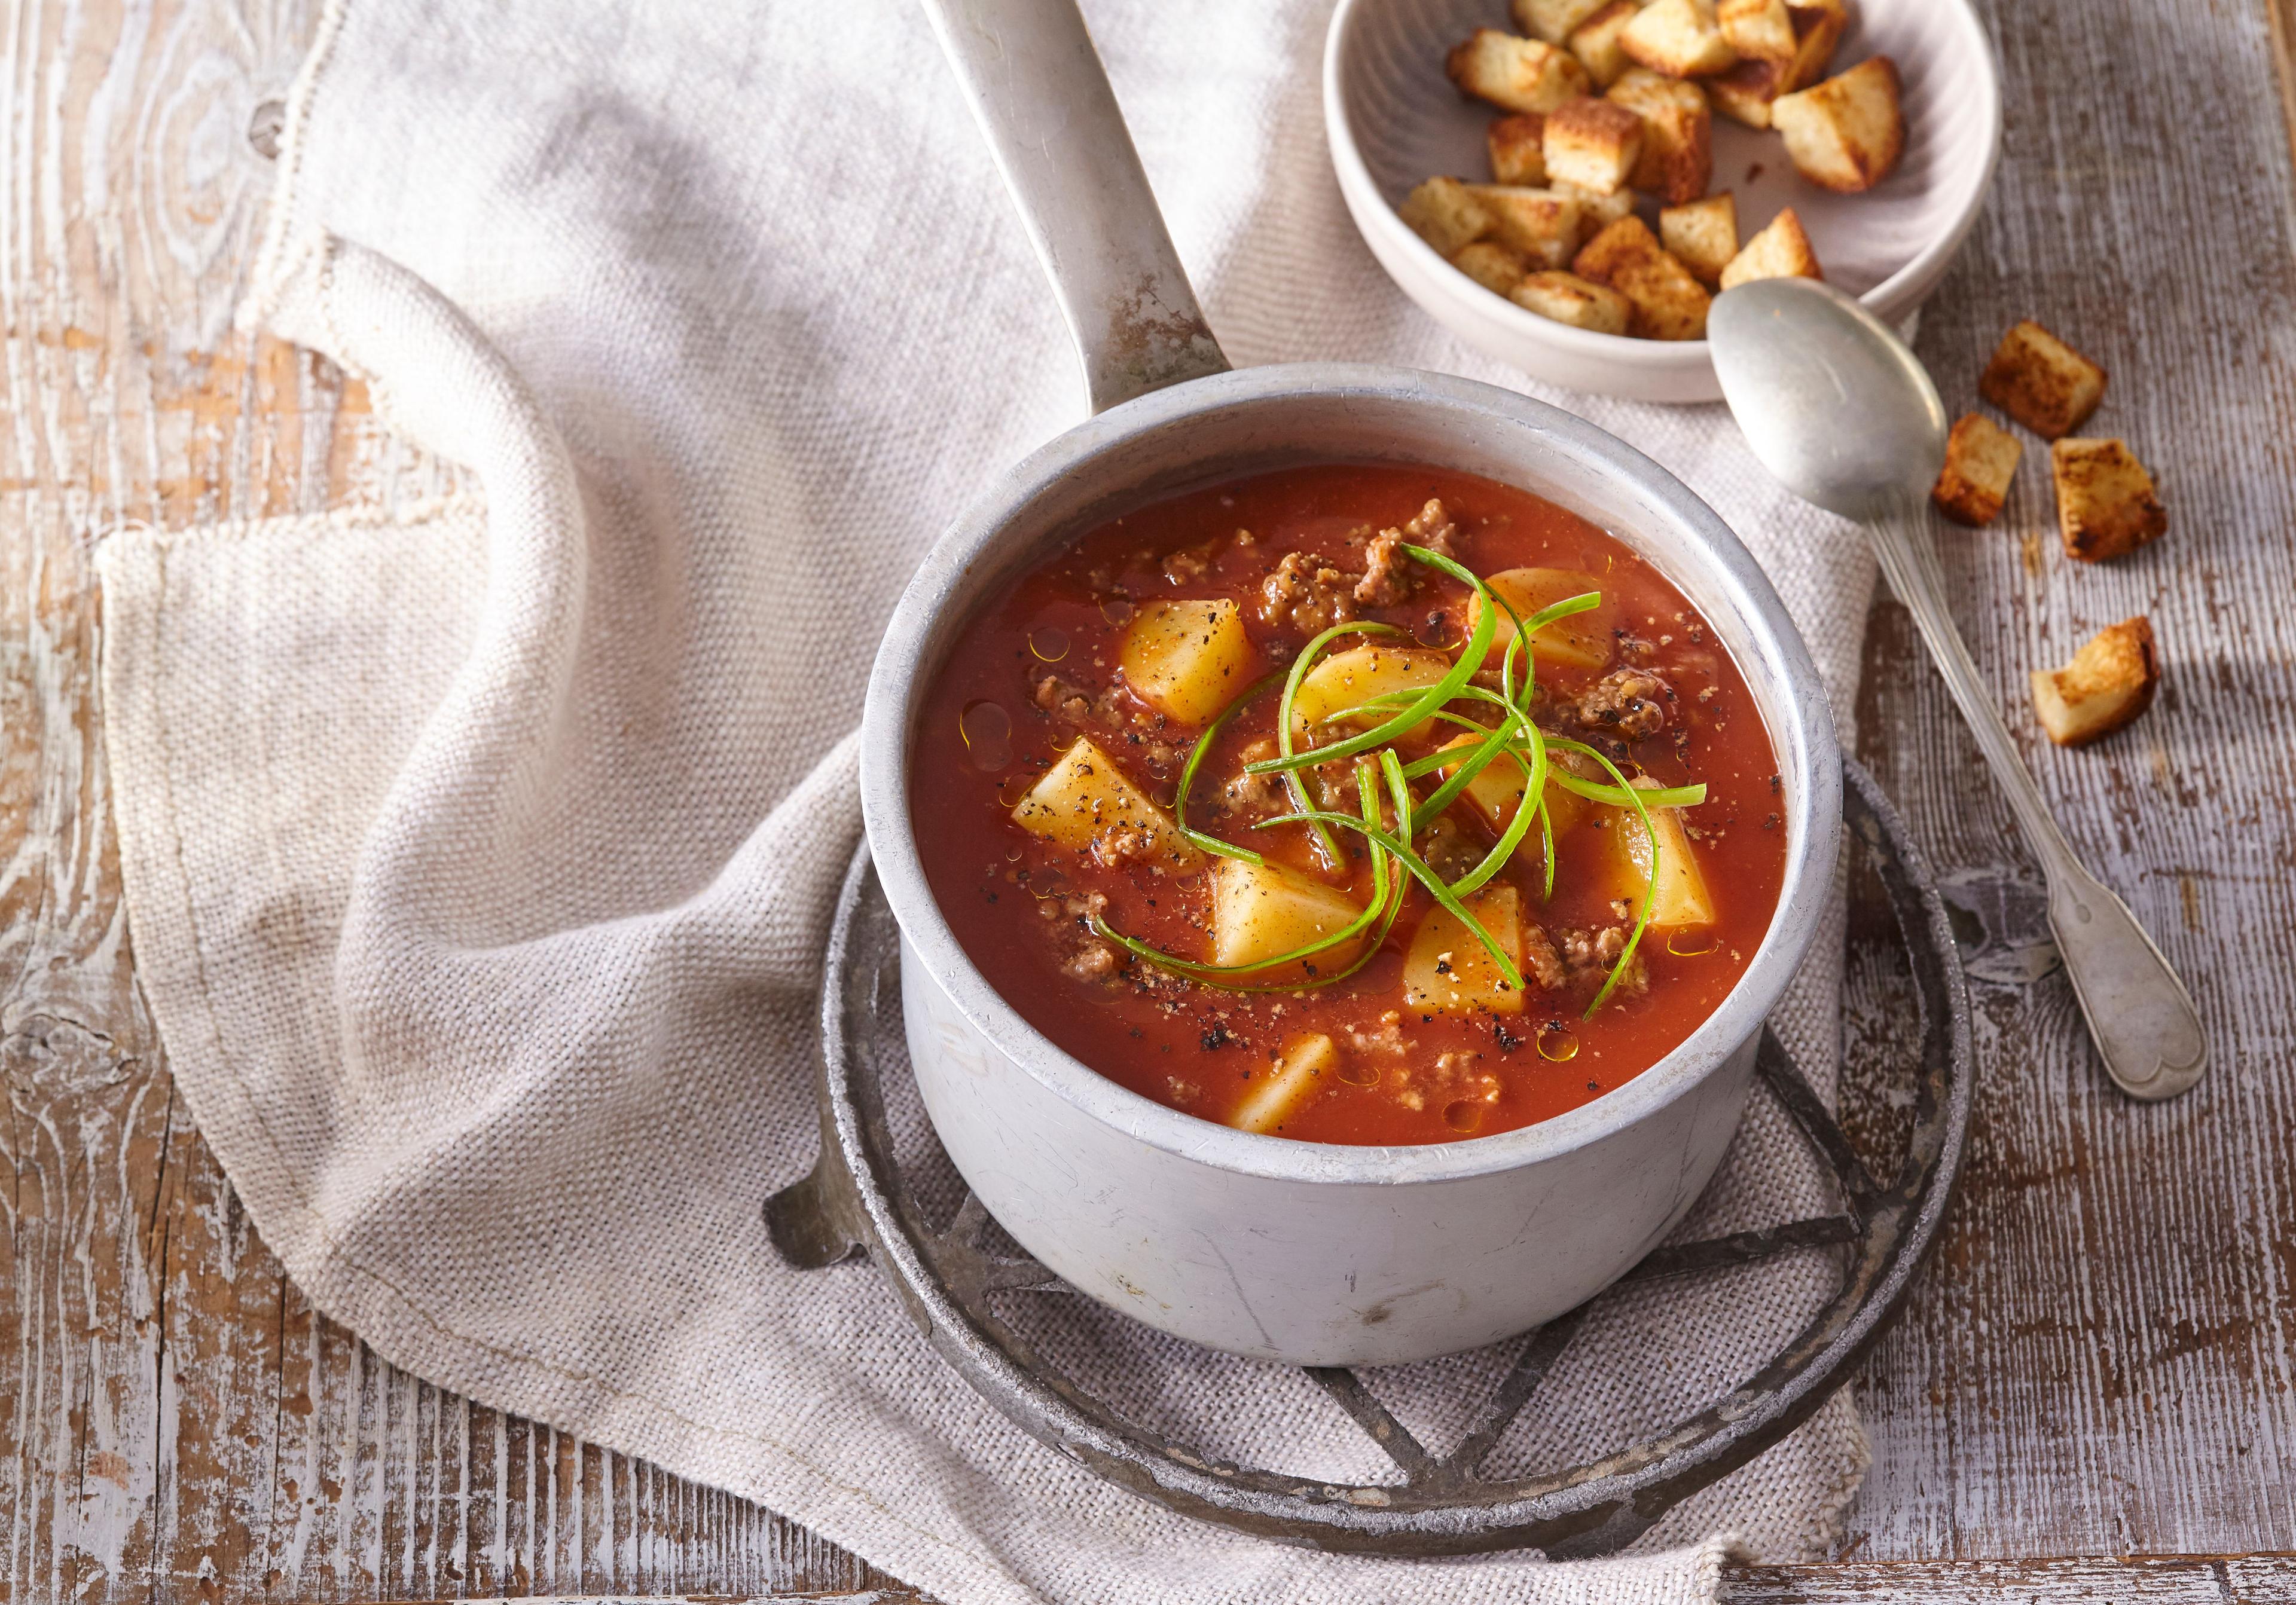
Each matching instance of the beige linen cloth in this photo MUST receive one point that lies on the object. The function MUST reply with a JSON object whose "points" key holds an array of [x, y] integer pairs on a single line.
{"points": [[480, 855]]}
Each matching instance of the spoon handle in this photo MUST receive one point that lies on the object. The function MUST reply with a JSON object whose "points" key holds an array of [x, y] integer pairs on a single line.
{"points": [[2138, 1011]]}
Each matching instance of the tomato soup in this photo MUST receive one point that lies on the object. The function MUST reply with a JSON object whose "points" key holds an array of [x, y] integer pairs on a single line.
{"points": [[1357, 921]]}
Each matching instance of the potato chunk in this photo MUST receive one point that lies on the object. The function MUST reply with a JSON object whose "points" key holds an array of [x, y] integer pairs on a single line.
{"points": [[1540, 224], [2109, 681], [1680, 900], [1980, 459], [1442, 212], [1581, 641], [1302, 1069], [1520, 74], [1086, 802], [1496, 792], [1261, 910], [1780, 251], [1567, 299], [2105, 505], [1596, 41], [1518, 152], [1668, 303], [1592, 143], [1448, 971], [1705, 234], [1677, 159], [1347, 680], [1491, 265], [1677, 37], [2041, 382], [1552, 21], [1847, 132], [1188, 660]]}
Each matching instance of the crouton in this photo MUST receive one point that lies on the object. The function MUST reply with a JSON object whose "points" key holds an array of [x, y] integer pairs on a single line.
{"points": [[1980, 459], [1520, 75], [1516, 156], [1760, 30], [1817, 30], [1552, 21], [2041, 382], [1596, 41], [1677, 37], [1443, 213], [1847, 132], [1593, 144], [1780, 251], [1491, 265], [1596, 212], [1746, 92], [1705, 234], [2105, 505], [1567, 299], [2109, 681], [1540, 224], [1668, 303], [1677, 159]]}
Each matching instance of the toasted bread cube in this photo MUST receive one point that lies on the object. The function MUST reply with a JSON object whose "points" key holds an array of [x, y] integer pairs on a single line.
{"points": [[1520, 75], [1705, 234], [1593, 144], [1086, 802], [1668, 303], [2105, 505], [2109, 681], [1746, 94], [1518, 156], [1567, 299], [1540, 224], [1677, 159], [2041, 382], [1596, 212], [1264, 911], [1980, 459], [1443, 213], [1760, 30], [1491, 265], [1677, 37], [1780, 251], [1449, 970], [1847, 132], [1306, 1064], [1596, 41], [1552, 21]]}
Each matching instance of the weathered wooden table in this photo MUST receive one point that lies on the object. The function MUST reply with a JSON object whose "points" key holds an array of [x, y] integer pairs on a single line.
{"points": [[2091, 1394]]}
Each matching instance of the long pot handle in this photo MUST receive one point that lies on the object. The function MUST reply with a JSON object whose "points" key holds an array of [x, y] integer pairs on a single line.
{"points": [[1036, 85]]}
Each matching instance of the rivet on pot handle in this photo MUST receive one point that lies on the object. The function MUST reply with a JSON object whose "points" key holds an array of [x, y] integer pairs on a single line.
{"points": [[1037, 86]]}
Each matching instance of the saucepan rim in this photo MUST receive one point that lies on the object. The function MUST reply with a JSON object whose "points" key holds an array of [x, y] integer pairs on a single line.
{"points": [[1804, 736]]}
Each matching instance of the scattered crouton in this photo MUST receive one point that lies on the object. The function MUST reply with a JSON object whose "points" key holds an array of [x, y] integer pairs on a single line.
{"points": [[1677, 159], [1705, 234], [1552, 21], [2109, 683], [1520, 75], [1517, 156], [1780, 251], [1443, 213], [1567, 299], [2041, 382], [1746, 93], [1596, 212], [2105, 505], [1596, 41], [1980, 459], [1491, 265], [1593, 144], [1848, 132], [1668, 303], [1677, 37], [1762, 30], [1540, 224]]}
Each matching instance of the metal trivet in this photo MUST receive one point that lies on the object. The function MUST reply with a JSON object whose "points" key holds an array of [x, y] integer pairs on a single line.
{"points": [[857, 1199]]}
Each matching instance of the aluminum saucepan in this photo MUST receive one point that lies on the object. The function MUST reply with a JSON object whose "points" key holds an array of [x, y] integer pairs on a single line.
{"points": [[1310, 1253]]}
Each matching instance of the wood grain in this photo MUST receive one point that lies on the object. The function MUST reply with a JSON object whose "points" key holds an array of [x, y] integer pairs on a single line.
{"points": [[2099, 1362]]}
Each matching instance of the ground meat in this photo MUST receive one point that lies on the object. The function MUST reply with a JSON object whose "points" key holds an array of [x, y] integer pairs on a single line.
{"points": [[1432, 528], [1092, 961], [1389, 576], [1630, 702], [1540, 963], [1305, 595], [1117, 845], [1183, 566], [1062, 700], [1446, 850], [1254, 793], [1590, 953]]}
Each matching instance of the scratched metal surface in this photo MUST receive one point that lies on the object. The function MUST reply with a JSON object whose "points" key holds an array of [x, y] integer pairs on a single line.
{"points": [[2099, 1361]]}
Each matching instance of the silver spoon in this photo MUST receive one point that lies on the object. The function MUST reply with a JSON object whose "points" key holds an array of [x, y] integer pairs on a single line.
{"points": [[1836, 406]]}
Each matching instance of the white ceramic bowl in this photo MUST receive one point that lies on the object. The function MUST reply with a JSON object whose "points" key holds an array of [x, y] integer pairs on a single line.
{"points": [[1393, 119]]}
